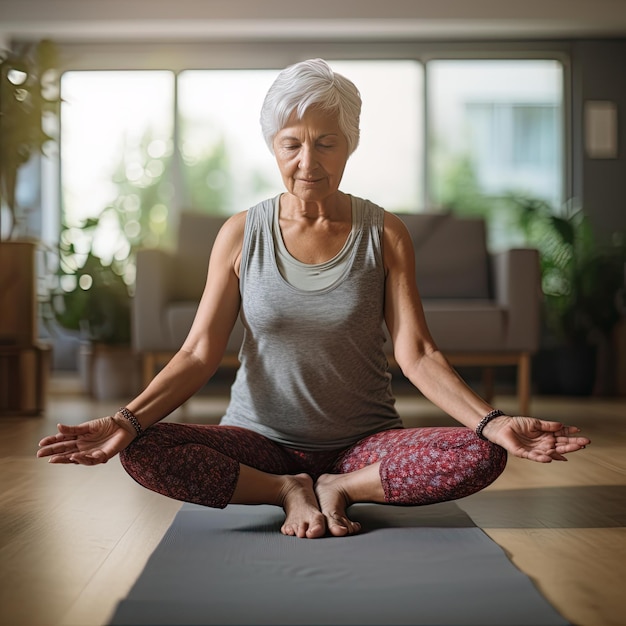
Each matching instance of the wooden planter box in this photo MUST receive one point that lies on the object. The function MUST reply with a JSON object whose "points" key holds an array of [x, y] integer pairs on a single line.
{"points": [[24, 362], [24, 375], [18, 296]]}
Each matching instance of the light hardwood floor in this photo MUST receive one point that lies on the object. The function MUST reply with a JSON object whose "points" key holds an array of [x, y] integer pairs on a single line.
{"points": [[74, 539]]}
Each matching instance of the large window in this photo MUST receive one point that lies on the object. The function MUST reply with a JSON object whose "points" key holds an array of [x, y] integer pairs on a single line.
{"points": [[225, 162], [496, 130], [137, 147], [116, 144], [132, 161], [228, 167], [388, 164]]}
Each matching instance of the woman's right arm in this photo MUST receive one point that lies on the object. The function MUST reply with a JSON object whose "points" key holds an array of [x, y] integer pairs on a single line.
{"points": [[204, 347], [97, 441]]}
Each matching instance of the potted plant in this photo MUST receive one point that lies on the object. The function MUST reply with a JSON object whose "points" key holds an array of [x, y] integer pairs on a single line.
{"points": [[91, 298], [581, 278]]}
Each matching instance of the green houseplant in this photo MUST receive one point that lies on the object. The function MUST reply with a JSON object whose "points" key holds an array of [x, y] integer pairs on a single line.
{"points": [[90, 298], [581, 278], [88, 294], [29, 97], [94, 300]]}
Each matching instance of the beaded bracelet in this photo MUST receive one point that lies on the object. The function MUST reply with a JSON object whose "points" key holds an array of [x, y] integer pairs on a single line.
{"points": [[483, 422], [128, 414]]}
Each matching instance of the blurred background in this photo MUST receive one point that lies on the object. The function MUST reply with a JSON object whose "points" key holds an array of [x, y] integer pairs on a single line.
{"points": [[119, 116]]}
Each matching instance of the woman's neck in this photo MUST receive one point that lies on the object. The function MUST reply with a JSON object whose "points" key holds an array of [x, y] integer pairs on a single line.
{"points": [[335, 208]]}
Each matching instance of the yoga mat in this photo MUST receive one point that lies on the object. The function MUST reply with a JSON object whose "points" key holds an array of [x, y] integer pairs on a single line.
{"points": [[418, 566]]}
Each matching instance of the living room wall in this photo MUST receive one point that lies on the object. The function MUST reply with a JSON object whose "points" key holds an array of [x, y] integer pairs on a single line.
{"points": [[598, 74]]}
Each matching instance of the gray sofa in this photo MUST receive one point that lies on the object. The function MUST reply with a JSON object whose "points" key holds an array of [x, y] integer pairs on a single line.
{"points": [[483, 309]]}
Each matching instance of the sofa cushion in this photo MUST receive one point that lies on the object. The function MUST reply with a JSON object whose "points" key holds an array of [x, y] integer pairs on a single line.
{"points": [[189, 276], [197, 232], [466, 325], [451, 258], [179, 317], [196, 236]]}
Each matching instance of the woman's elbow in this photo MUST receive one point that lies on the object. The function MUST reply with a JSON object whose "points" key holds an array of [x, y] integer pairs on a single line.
{"points": [[409, 357]]}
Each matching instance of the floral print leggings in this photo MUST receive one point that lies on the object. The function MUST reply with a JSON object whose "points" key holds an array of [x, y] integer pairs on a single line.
{"points": [[200, 463]]}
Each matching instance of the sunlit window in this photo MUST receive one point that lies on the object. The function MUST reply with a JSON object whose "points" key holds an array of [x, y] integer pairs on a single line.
{"points": [[133, 159], [116, 144], [226, 164], [387, 167], [495, 128], [228, 167]]}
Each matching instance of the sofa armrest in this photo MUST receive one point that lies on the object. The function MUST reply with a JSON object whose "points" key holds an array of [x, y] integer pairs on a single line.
{"points": [[153, 286], [517, 288]]}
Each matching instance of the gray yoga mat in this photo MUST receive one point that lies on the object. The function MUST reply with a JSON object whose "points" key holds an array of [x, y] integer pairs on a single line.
{"points": [[419, 566]]}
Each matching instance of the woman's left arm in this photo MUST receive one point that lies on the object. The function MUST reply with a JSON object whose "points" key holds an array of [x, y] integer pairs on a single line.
{"points": [[421, 361]]}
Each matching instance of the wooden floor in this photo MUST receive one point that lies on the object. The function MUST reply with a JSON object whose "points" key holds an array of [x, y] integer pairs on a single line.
{"points": [[74, 539]]}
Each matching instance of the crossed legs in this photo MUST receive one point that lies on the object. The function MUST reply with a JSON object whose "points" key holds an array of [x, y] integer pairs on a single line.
{"points": [[217, 465]]}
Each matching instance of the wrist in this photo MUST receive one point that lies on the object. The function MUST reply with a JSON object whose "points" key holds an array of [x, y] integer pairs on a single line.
{"points": [[126, 419], [124, 425], [490, 432], [486, 423]]}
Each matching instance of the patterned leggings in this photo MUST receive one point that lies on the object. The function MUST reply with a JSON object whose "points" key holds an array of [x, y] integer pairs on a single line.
{"points": [[200, 463]]}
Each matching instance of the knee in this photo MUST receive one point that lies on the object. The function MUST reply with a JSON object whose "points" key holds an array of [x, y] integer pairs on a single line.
{"points": [[484, 461], [490, 463], [459, 465], [139, 453], [132, 457]]}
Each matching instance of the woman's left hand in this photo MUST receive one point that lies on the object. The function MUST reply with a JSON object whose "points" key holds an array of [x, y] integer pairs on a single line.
{"points": [[535, 439]]}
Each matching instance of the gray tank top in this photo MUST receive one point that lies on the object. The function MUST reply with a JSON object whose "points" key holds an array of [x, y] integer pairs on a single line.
{"points": [[313, 372]]}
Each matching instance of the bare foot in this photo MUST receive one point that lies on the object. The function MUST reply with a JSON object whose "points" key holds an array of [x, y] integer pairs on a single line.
{"points": [[303, 516], [333, 502]]}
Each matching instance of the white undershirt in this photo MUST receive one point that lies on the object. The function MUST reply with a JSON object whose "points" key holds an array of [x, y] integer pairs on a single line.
{"points": [[311, 276]]}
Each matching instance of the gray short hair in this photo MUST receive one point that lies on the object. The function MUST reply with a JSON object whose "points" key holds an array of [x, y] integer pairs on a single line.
{"points": [[309, 83]]}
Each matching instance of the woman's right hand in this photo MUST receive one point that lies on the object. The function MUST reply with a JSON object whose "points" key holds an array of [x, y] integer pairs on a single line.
{"points": [[89, 443]]}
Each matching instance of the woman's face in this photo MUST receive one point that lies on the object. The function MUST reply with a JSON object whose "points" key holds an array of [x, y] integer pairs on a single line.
{"points": [[311, 154]]}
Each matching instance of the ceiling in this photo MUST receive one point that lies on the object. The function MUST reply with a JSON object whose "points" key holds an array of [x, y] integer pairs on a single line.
{"points": [[115, 20]]}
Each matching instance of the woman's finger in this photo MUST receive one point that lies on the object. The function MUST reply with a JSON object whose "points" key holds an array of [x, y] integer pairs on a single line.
{"points": [[96, 457], [61, 458], [58, 447], [65, 432], [75, 430], [574, 443], [52, 439]]}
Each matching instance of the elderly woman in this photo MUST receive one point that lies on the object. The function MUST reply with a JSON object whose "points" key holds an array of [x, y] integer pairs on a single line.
{"points": [[311, 425]]}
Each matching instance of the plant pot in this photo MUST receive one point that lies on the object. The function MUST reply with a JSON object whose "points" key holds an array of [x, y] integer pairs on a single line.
{"points": [[566, 371], [109, 372], [18, 294]]}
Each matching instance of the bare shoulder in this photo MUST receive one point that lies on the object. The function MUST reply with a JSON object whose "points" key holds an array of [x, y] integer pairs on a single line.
{"points": [[229, 242], [234, 226], [231, 232], [396, 238]]}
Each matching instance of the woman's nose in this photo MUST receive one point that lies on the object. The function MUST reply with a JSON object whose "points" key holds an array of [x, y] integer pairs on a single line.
{"points": [[307, 158]]}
